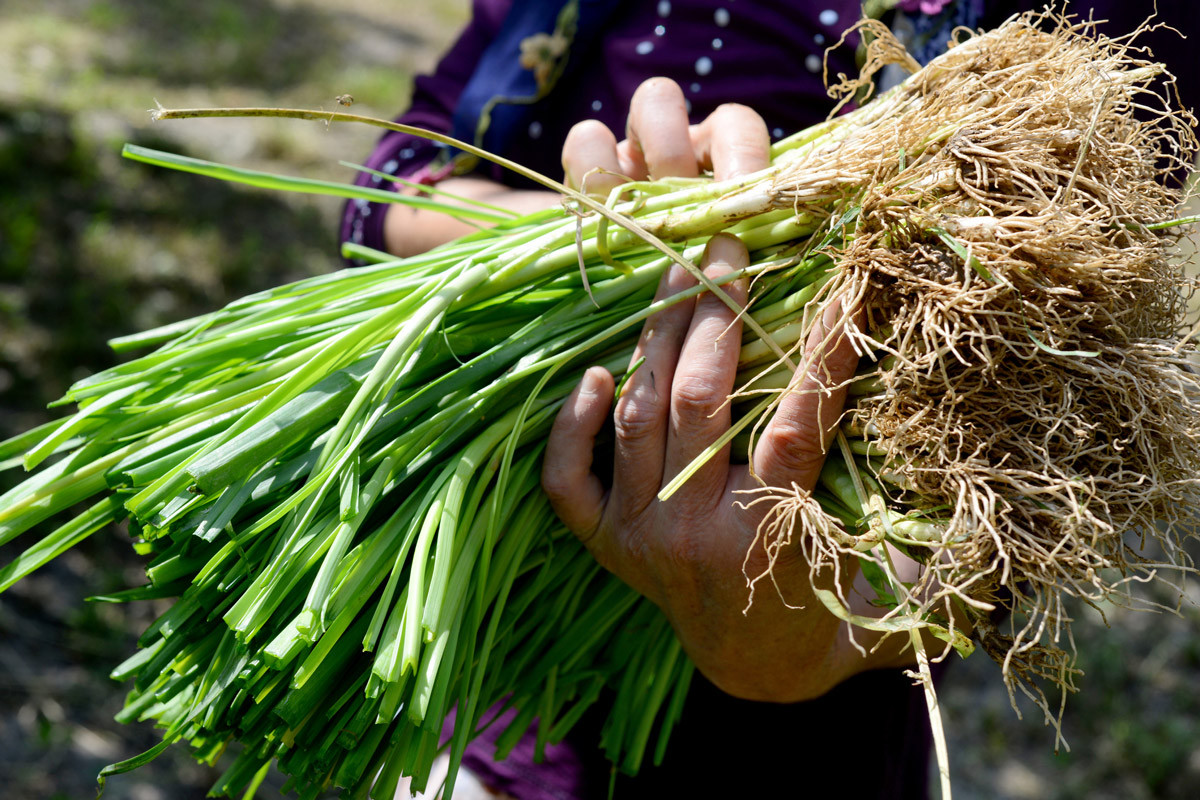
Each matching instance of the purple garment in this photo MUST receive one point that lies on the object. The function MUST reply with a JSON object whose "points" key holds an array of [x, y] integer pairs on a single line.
{"points": [[561, 774], [927, 7], [709, 47], [869, 736], [767, 55]]}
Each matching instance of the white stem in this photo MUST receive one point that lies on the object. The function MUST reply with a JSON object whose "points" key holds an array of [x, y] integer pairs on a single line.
{"points": [[935, 714], [901, 593]]}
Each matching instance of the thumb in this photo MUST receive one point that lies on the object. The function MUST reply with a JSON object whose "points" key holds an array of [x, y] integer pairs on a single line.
{"points": [[575, 492], [794, 443]]}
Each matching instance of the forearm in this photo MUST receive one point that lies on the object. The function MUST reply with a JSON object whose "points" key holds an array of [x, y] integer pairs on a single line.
{"points": [[409, 231]]}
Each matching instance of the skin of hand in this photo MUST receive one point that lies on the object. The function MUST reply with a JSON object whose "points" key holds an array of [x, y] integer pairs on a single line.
{"points": [[686, 555], [411, 231]]}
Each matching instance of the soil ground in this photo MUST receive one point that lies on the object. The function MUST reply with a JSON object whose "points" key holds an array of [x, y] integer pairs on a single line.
{"points": [[92, 247]]}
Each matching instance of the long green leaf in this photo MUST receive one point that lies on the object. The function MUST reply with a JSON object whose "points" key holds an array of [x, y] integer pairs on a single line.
{"points": [[268, 180]]}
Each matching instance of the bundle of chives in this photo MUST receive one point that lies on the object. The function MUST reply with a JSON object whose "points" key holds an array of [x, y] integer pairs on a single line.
{"points": [[406, 558], [338, 479]]}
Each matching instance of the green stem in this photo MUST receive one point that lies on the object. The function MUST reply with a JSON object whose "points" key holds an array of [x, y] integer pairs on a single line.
{"points": [[582, 199]]}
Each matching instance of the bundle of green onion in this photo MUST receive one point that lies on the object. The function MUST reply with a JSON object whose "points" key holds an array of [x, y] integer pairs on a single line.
{"points": [[338, 479]]}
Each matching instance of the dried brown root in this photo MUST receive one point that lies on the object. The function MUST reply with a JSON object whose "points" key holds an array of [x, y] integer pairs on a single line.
{"points": [[795, 519], [1038, 388]]}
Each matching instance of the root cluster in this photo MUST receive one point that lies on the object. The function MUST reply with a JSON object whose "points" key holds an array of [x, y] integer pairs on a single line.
{"points": [[1040, 400]]}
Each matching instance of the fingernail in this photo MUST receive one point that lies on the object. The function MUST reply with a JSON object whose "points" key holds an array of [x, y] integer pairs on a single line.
{"points": [[727, 249]]}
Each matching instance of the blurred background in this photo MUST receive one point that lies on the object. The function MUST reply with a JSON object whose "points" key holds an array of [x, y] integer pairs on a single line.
{"points": [[92, 247]]}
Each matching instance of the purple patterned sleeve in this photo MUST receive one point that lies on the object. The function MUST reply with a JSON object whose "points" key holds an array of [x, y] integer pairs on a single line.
{"points": [[433, 102]]}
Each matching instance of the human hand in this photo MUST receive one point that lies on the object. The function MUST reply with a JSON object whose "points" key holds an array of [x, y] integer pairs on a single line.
{"points": [[687, 554], [660, 143]]}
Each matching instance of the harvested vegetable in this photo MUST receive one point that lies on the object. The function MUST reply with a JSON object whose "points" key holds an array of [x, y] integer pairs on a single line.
{"points": [[338, 479]]}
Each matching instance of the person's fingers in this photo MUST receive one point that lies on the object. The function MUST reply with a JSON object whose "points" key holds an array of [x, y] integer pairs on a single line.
{"points": [[793, 445], [658, 130], [630, 158], [589, 158], [575, 492], [640, 419], [705, 374], [732, 141]]}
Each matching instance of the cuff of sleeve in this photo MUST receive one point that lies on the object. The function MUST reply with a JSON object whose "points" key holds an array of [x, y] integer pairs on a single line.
{"points": [[402, 156]]}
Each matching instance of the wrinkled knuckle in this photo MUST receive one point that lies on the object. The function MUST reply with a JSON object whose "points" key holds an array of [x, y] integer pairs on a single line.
{"points": [[796, 446], [696, 397], [636, 418]]}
